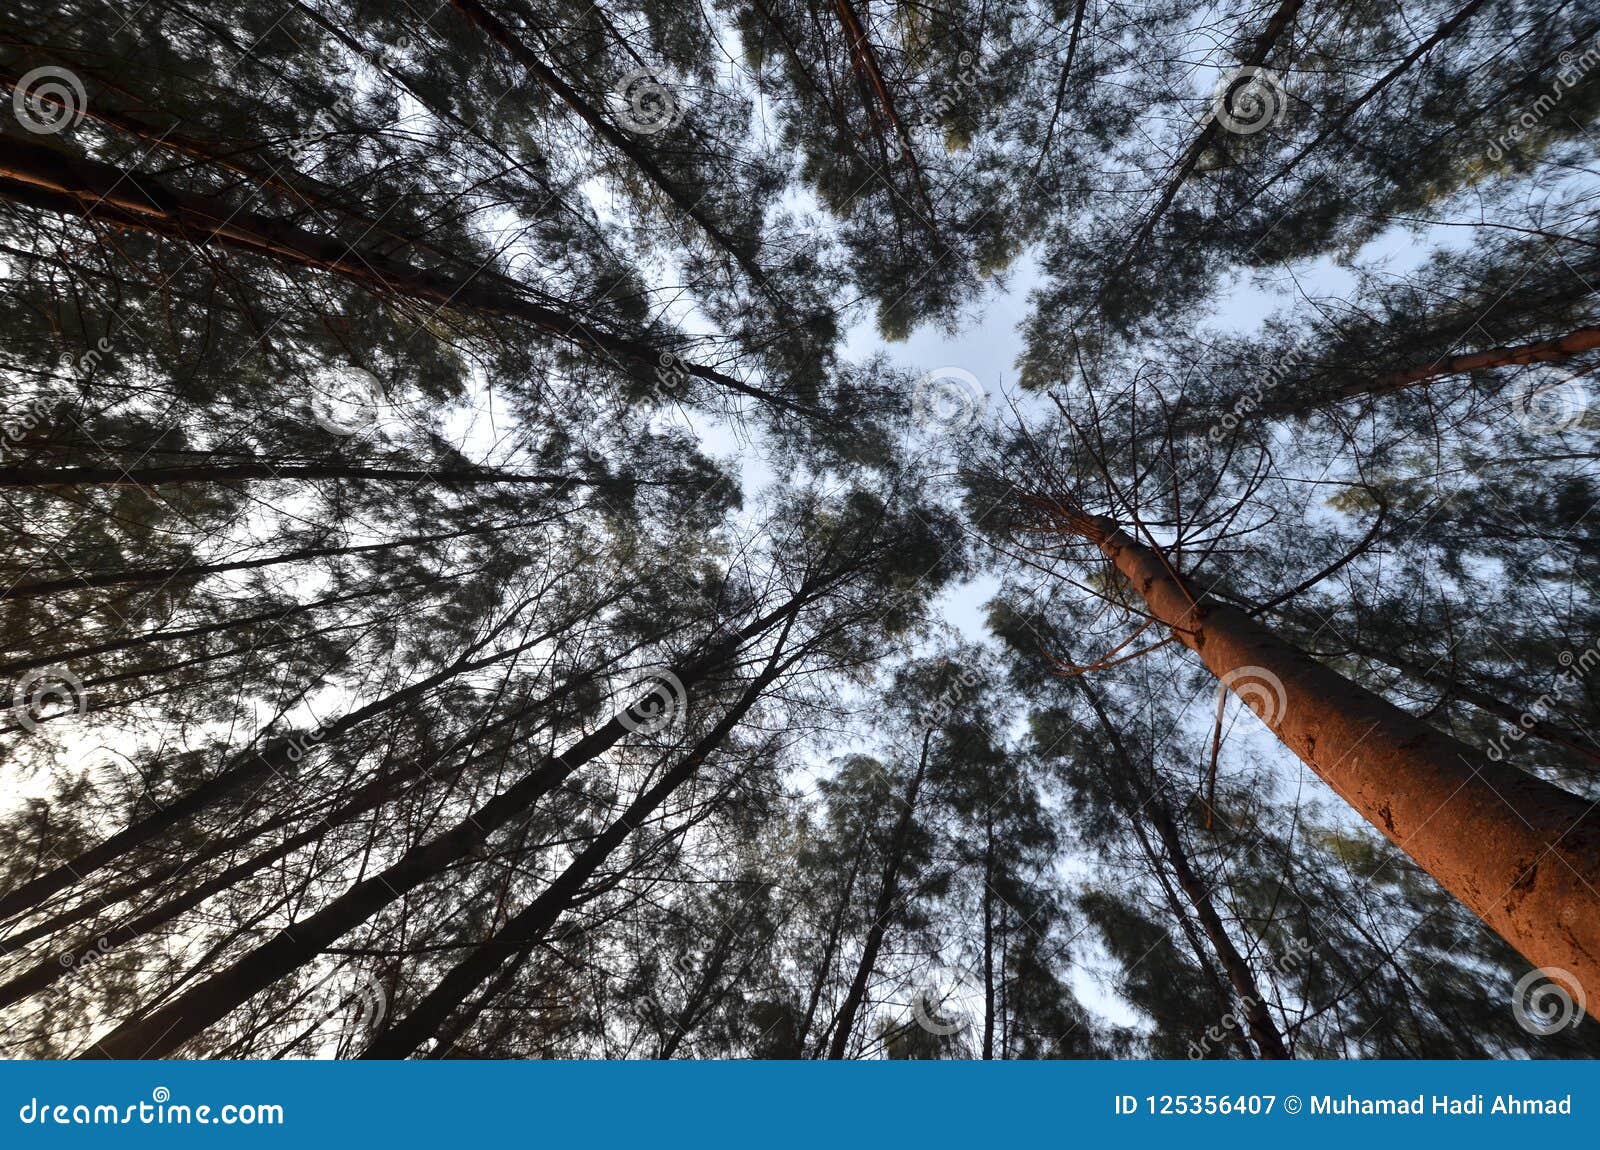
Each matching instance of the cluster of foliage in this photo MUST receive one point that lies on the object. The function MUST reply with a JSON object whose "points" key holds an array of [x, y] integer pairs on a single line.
{"points": [[460, 598]]}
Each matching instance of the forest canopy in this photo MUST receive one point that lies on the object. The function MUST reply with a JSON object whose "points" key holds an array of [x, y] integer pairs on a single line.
{"points": [[529, 533]]}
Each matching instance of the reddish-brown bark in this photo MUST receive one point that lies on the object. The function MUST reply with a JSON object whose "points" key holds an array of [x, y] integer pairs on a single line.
{"points": [[1522, 854]]}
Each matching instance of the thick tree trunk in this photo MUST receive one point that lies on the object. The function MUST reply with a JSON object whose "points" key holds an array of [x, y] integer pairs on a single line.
{"points": [[1520, 853], [856, 995]]}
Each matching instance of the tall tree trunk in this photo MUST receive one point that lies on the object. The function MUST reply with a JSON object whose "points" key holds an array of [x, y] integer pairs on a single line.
{"points": [[830, 948], [161, 1032], [432, 1013], [68, 185], [1148, 804], [1544, 351], [164, 1030], [248, 767], [49, 477], [197, 570], [988, 934], [845, 1022], [1521, 854], [157, 638], [367, 797]]}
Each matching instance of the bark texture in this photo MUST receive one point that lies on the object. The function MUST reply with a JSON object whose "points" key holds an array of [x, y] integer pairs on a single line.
{"points": [[1520, 853]]}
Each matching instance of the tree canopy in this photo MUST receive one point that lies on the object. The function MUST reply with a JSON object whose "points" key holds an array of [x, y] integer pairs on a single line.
{"points": [[490, 570]]}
